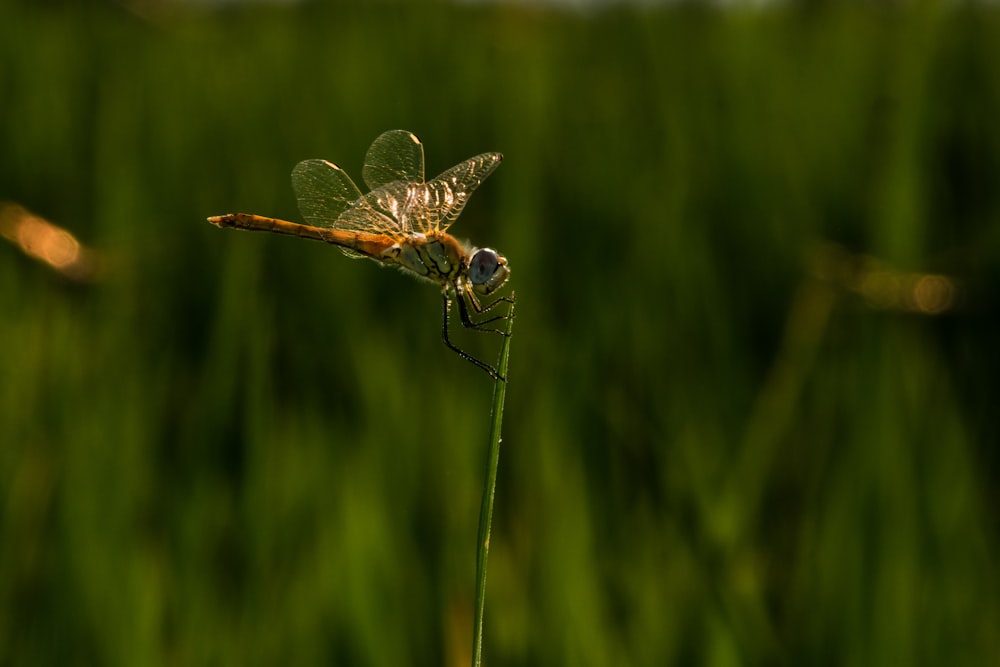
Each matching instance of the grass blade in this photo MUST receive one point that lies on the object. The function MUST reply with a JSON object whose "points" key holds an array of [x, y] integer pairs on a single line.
{"points": [[489, 486]]}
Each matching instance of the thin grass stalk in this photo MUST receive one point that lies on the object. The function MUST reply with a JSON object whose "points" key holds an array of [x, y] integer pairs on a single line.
{"points": [[489, 486]]}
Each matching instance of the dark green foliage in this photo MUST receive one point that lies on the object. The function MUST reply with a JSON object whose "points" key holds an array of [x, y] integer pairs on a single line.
{"points": [[245, 449]]}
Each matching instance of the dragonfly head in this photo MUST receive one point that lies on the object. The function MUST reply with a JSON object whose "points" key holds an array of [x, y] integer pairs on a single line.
{"points": [[487, 270]]}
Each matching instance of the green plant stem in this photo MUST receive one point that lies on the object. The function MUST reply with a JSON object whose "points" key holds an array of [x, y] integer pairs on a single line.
{"points": [[486, 507]]}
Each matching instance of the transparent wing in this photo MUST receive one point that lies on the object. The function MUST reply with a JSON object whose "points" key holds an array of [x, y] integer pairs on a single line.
{"points": [[393, 201], [400, 203], [396, 155], [329, 198], [434, 206], [324, 191]]}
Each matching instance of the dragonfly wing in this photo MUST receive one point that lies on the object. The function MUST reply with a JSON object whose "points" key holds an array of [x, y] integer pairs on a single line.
{"points": [[324, 191], [363, 217], [353, 254], [394, 201], [396, 155], [435, 205]]}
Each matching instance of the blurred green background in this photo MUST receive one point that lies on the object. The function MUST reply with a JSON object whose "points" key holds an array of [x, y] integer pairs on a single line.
{"points": [[750, 417]]}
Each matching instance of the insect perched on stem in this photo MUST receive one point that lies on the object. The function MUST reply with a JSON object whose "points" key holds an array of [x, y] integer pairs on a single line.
{"points": [[402, 222]]}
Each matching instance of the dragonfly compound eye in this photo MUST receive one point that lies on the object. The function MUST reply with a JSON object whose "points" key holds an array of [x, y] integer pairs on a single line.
{"points": [[487, 270]]}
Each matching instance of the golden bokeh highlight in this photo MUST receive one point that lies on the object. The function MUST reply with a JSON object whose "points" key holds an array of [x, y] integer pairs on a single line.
{"points": [[882, 286], [46, 242]]}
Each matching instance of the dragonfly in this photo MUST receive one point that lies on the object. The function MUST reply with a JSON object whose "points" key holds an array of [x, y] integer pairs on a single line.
{"points": [[403, 222]]}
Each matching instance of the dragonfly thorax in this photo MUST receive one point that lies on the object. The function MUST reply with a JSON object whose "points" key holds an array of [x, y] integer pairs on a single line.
{"points": [[436, 257]]}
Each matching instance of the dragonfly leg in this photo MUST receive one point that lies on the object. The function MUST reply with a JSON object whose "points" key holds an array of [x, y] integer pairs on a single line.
{"points": [[447, 340], [467, 297]]}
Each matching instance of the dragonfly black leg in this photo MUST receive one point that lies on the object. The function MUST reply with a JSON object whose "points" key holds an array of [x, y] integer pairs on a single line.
{"points": [[447, 341], [463, 310]]}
